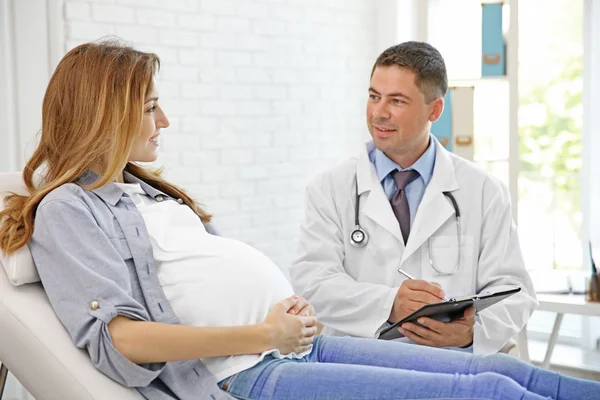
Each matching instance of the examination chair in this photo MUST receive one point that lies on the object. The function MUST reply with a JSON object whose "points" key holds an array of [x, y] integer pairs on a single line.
{"points": [[34, 346]]}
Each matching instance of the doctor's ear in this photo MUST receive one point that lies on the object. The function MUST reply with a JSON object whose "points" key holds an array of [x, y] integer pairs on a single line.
{"points": [[437, 107]]}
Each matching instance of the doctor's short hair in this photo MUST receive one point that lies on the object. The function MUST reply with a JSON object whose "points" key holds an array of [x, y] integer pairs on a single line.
{"points": [[424, 60]]}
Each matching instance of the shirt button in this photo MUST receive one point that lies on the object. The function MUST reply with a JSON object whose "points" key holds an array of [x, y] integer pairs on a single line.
{"points": [[180, 201], [159, 198], [94, 305]]}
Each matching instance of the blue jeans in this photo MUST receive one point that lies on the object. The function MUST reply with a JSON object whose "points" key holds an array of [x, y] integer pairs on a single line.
{"points": [[354, 368]]}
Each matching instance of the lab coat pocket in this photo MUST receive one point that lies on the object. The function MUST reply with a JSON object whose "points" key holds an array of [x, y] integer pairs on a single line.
{"points": [[442, 263]]}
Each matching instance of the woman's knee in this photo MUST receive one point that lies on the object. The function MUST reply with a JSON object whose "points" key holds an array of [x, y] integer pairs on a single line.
{"points": [[499, 362], [496, 383]]}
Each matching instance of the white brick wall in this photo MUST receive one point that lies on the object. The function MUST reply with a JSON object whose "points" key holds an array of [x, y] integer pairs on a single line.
{"points": [[262, 95]]}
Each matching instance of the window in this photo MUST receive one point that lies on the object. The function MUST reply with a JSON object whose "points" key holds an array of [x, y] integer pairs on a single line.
{"points": [[550, 86], [550, 121]]}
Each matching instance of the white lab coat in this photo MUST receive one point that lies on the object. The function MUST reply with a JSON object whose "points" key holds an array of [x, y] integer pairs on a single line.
{"points": [[353, 289]]}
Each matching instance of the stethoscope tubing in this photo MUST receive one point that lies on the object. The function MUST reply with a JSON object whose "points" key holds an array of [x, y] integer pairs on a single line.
{"points": [[359, 237]]}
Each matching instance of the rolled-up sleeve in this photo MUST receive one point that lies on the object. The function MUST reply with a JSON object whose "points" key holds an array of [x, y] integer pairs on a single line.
{"points": [[88, 284]]}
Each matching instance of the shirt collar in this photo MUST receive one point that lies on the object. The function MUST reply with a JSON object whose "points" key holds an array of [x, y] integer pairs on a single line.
{"points": [[111, 193], [150, 191], [424, 165]]}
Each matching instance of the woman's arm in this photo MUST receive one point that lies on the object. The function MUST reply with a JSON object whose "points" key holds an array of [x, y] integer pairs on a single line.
{"points": [[145, 342], [79, 265]]}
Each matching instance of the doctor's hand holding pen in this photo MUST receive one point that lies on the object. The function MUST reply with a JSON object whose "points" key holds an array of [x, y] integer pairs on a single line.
{"points": [[412, 295]]}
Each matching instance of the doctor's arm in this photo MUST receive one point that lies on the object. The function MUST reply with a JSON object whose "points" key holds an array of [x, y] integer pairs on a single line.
{"points": [[501, 266], [318, 274]]}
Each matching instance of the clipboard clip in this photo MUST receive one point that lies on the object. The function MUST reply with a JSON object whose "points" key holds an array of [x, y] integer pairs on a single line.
{"points": [[456, 299]]}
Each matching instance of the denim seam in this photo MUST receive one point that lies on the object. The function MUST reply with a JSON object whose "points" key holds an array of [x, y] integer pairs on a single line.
{"points": [[230, 381], [230, 385]]}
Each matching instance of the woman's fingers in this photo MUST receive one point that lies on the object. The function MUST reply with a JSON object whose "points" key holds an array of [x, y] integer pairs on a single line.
{"points": [[307, 341], [307, 332], [287, 304], [300, 304], [309, 321], [308, 310], [302, 349]]}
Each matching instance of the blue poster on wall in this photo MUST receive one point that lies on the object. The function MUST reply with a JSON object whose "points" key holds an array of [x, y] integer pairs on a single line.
{"points": [[493, 49], [442, 128]]}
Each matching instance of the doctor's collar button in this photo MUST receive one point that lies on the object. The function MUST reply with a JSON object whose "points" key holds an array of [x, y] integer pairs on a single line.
{"points": [[159, 198], [180, 201]]}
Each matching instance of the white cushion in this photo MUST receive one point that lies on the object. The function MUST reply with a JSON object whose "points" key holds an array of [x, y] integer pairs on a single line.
{"points": [[19, 265], [37, 349]]}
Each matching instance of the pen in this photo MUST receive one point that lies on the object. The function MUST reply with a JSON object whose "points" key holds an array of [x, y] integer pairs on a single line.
{"points": [[411, 277]]}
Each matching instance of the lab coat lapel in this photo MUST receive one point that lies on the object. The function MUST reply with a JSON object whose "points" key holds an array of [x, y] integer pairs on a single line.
{"points": [[434, 209], [376, 205]]}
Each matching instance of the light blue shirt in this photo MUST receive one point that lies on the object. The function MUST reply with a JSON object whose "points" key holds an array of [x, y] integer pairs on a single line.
{"points": [[93, 246], [414, 190]]}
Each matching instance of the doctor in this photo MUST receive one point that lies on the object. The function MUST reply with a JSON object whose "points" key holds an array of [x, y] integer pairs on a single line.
{"points": [[407, 203]]}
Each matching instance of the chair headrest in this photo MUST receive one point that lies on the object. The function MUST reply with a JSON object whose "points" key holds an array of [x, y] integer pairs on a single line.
{"points": [[19, 266]]}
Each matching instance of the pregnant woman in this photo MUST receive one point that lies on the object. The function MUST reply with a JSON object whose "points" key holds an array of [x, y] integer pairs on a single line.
{"points": [[140, 278]]}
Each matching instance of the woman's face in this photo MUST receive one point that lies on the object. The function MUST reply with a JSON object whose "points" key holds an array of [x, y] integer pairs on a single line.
{"points": [[146, 146]]}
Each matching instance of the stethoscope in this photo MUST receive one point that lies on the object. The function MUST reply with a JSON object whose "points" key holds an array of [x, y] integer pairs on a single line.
{"points": [[359, 238]]}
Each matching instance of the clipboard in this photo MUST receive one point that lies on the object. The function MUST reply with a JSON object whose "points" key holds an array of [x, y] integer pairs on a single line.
{"points": [[448, 310]]}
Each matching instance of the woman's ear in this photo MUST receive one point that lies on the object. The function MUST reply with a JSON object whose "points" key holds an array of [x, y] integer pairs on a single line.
{"points": [[436, 107]]}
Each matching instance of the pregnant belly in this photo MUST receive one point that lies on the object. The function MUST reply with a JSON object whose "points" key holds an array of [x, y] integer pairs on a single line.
{"points": [[235, 287]]}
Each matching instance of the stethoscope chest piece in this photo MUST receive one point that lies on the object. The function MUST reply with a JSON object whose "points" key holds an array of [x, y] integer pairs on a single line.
{"points": [[358, 237]]}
